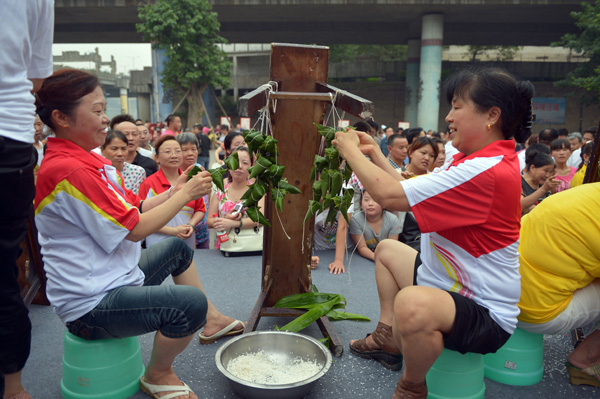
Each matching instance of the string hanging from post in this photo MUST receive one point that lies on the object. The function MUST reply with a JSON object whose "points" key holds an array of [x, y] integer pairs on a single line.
{"points": [[266, 128]]}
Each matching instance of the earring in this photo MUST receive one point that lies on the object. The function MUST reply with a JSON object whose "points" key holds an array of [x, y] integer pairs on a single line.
{"points": [[489, 126]]}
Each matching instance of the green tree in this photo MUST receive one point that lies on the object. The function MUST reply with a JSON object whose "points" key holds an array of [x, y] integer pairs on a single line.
{"points": [[503, 53], [188, 32], [587, 74], [358, 52]]}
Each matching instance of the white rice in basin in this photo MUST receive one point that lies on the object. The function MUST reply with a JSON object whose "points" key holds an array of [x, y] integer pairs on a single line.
{"points": [[272, 369]]}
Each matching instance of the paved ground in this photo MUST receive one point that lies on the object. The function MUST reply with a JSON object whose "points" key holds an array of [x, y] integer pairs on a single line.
{"points": [[233, 285]]}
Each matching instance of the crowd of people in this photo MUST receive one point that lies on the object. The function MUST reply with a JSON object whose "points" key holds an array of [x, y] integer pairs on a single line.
{"points": [[473, 231]]}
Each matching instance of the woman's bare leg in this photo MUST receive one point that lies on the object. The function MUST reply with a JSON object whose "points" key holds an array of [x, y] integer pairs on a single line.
{"points": [[215, 320]]}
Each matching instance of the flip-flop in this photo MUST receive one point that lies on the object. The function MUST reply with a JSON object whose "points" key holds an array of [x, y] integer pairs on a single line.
{"points": [[153, 390], [225, 332]]}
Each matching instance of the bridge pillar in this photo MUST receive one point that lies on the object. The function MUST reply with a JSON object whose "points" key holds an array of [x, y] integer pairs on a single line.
{"points": [[430, 70], [160, 110], [412, 82], [124, 101]]}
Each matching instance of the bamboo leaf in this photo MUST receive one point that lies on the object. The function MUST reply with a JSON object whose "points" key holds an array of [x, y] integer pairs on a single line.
{"points": [[335, 315]]}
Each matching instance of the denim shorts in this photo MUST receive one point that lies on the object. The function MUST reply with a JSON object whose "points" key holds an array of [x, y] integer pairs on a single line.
{"points": [[176, 311]]}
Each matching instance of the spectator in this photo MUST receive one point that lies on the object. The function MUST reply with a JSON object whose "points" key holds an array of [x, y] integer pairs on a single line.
{"points": [[121, 118], [231, 142], [25, 60], [563, 133], [586, 154], [222, 203], [561, 151], [547, 136], [205, 144], [145, 147], [372, 225], [559, 268], [538, 180], [422, 153], [413, 133], [170, 157], [115, 149], [398, 151], [133, 155], [588, 134], [440, 160], [173, 123]]}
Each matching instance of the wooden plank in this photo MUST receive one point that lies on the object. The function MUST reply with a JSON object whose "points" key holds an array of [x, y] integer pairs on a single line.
{"points": [[335, 345], [298, 69], [254, 318], [348, 102], [284, 95], [251, 102]]}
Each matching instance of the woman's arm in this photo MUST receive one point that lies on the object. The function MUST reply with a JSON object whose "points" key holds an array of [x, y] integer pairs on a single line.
{"points": [[549, 185], [213, 209], [362, 248], [160, 211], [378, 177]]}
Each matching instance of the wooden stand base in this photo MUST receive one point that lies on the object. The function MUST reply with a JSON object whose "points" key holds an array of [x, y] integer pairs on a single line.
{"points": [[259, 310]]}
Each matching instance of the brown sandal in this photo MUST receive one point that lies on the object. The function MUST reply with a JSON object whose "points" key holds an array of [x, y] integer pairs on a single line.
{"points": [[410, 390], [386, 352]]}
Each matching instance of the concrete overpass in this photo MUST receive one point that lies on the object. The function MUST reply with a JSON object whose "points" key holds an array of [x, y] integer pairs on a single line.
{"points": [[466, 22]]}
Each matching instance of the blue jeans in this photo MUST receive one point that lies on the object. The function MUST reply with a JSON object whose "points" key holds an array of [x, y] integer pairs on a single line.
{"points": [[176, 311]]}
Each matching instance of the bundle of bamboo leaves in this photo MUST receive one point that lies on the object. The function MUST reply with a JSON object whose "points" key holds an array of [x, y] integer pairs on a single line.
{"points": [[317, 304]]}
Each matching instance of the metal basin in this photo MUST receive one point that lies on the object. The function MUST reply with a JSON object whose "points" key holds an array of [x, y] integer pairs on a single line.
{"points": [[282, 344]]}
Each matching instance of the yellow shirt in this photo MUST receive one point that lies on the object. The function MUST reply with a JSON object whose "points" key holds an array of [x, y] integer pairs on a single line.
{"points": [[559, 251], [577, 180]]}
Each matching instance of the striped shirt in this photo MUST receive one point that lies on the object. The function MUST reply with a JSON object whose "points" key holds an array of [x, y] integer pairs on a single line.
{"points": [[469, 215], [83, 215]]}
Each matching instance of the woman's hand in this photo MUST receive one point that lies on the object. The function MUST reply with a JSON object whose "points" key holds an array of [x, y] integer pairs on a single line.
{"points": [[198, 186], [231, 216], [551, 184], [346, 141], [314, 262], [337, 267], [183, 231], [227, 223]]}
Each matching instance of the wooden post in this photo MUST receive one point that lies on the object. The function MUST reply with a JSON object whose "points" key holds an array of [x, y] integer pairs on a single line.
{"points": [[299, 76]]}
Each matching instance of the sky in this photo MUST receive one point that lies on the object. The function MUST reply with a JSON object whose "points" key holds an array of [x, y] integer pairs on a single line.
{"points": [[128, 56]]}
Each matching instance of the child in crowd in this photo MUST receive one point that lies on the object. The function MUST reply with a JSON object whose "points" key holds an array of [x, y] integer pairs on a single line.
{"points": [[538, 180], [372, 225], [561, 151]]}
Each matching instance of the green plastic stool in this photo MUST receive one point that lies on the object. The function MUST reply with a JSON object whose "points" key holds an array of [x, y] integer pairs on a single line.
{"points": [[456, 376], [102, 369], [519, 362]]}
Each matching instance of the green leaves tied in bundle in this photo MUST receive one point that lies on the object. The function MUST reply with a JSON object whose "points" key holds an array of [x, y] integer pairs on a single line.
{"points": [[217, 177], [232, 161], [256, 216], [331, 180], [328, 132], [268, 175], [259, 167], [317, 305]]}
